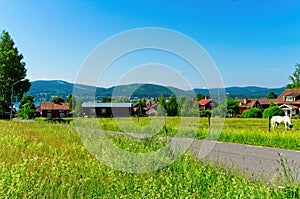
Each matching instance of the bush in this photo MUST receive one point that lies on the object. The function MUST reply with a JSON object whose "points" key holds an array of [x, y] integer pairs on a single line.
{"points": [[252, 113], [204, 113], [272, 111]]}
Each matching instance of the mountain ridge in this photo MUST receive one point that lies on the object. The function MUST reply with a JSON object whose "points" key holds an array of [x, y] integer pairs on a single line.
{"points": [[44, 90]]}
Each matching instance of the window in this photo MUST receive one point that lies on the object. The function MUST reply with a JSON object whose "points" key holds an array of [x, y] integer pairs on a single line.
{"points": [[289, 98], [103, 111]]}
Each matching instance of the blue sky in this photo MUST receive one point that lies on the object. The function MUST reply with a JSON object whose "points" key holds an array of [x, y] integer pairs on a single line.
{"points": [[252, 42]]}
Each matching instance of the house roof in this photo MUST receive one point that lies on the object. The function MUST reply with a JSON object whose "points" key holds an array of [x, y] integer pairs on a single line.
{"points": [[293, 92], [106, 105], [252, 103], [203, 102], [54, 106], [266, 101]]}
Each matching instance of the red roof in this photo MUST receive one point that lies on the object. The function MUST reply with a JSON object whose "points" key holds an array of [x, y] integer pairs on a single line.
{"points": [[203, 102], [54, 106]]}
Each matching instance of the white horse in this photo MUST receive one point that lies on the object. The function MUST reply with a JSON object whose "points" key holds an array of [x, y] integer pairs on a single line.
{"points": [[276, 120]]}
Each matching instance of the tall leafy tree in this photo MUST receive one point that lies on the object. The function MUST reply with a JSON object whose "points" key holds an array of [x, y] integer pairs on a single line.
{"points": [[12, 72], [27, 107], [57, 99], [295, 78]]}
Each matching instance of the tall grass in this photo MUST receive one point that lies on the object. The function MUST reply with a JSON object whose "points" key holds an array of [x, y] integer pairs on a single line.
{"points": [[40, 160], [237, 130]]}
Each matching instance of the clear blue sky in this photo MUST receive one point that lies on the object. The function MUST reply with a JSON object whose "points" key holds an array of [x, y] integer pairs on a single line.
{"points": [[252, 42]]}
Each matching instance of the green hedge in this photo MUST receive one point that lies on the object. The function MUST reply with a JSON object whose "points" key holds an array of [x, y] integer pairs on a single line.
{"points": [[272, 111], [252, 113]]}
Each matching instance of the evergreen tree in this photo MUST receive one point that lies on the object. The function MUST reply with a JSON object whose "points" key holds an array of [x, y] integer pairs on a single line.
{"points": [[162, 106], [12, 72], [172, 106], [71, 102]]}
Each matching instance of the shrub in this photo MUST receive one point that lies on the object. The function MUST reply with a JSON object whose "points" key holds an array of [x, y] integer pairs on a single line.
{"points": [[272, 111], [252, 113], [204, 113]]}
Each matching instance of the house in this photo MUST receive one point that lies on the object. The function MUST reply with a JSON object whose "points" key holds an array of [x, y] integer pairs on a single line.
{"points": [[207, 104], [248, 103], [265, 102], [289, 101], [54, 110], [106, 109]]}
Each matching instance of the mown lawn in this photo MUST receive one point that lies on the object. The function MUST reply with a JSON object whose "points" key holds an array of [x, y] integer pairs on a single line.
{"points": [[41, 160]]}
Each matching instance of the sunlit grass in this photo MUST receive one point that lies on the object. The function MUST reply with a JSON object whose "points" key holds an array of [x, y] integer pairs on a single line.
{"points": [[237, 130], [40, 160]]}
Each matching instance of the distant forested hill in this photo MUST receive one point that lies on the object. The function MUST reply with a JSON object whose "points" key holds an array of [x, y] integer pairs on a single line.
{"points": [[44, 90]]}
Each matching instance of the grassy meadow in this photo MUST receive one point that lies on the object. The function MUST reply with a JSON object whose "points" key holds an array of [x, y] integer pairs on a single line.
{"points": [[41, 160], [238, 130]]}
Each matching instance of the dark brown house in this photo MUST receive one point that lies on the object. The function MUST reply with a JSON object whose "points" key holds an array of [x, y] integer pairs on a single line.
{"points": [[106, 109], [54, 110]]}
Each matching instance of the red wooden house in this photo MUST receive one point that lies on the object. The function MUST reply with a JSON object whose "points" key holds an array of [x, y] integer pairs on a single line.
{"points": [[207, 104], [54, 110]]}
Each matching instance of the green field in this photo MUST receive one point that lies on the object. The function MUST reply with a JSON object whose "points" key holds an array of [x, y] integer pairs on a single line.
{"points": [[237, 130], [41, 160]]}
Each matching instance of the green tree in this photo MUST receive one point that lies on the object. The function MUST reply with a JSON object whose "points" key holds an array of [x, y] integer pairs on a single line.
{"points": [[71, 101], [227, 108], [27, 107], [106, 99], [141, 104], [162, 106], [199, 96], [252, 113], [57, 99], [221, 110], [272, 111], [295, 78], [172, 106], [232, 106], [12, 72], [187, 107], [78, 108], [271, 95]]}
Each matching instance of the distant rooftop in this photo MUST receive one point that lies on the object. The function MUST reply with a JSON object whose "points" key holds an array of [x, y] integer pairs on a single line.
{"points": [[105, 105]]}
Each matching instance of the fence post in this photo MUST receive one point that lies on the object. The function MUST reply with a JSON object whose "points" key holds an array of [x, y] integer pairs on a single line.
{"points": [[269, 123], [208, 118]]}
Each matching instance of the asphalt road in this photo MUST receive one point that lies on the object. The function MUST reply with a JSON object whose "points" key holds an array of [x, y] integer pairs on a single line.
{"points": [[255, 161]]}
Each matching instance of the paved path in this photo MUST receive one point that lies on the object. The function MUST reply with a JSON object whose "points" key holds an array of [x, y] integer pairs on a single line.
{"points": [[255, 161]]}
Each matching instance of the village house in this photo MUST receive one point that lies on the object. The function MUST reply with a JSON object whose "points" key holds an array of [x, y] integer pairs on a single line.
{"points": [[54, 110], [289, 101], [248, 103], [106, 109], [207, 104], [265, 102]]}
